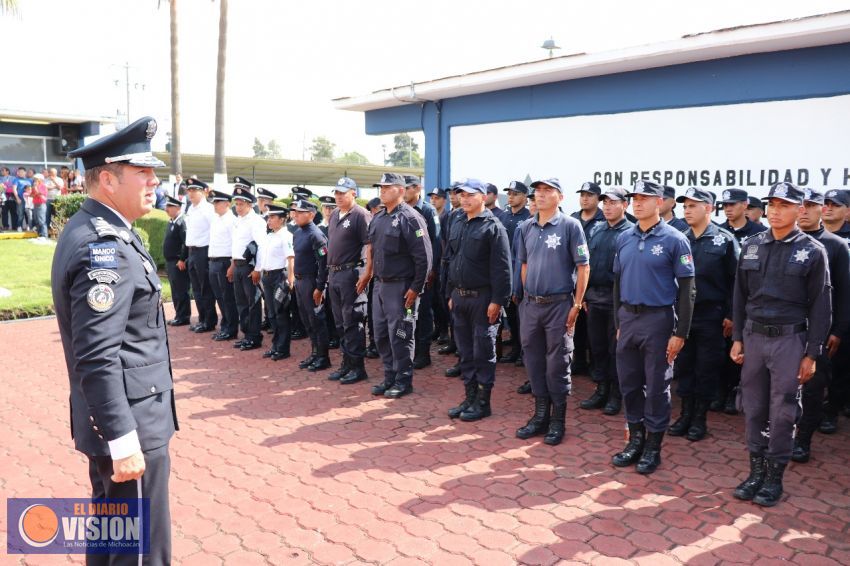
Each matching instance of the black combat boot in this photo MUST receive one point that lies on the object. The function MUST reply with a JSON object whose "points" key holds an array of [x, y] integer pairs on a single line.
{"points": [[343, 369], [524, 389], [557, 425], [385, 385], [480, 406], [747, 489], [615, 400], [683, 423], [422, 354], [322, 361], [539, 422], [634, 447], [802, 446], [356, 373], [305, 363], [471, 390], [829, 423], [771, 490], [453, 371], [699, 424], [599, 397], [651, 457]]}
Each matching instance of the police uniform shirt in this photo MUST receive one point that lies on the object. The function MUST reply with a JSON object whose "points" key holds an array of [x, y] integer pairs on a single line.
{"points": [[648, 264], [401, 248], [273, 250], [198, 219], [311, 250], [347, 235], [602, 244], [749, 229], [108, 304], [221, 235], [551, 253], [429, 214], [174, 242], [246, 229], [844, 232], [838, 260], [587, 225], [784, 282], [510, 220], [678, 223], [479, 256], [497, 212], [715, 254]]}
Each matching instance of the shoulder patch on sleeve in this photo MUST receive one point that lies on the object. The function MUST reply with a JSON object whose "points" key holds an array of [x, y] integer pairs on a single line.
{"points": [[103, 255], [419, 233], [581, 249]]}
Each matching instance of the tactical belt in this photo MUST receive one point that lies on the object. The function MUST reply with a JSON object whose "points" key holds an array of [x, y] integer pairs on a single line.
{"points": [[191, 248], [637, 309], [775, 330], [548, 299], [345, 266], [221, 259], [272, 271], [471, 292]]}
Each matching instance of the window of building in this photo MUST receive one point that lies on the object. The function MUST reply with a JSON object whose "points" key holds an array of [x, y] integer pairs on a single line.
{"points": [[30, 151]]}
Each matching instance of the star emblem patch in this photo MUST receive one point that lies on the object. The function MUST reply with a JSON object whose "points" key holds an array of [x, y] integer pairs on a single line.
{"points": [[347, 223], [657, 249], [553, 241], [801, 256], [395, 222], [718, 240]]}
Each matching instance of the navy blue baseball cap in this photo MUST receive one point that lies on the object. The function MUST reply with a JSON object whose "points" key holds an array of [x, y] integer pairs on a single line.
{"points": [[439, 192], [811, 195], [472, 186], [837, 196], [131, 146], [171, 201], [731, 196], [615, 193], [391, 179], [552, 182], [590, 187], [669, 192], [242, 182], [694, 193], [243, 193], [195, 184], [647, 188], [345, 184], [220, 196], [373, 203], [491, 188], [787, 192], [755, 202], [517, 187], [412, 180]]}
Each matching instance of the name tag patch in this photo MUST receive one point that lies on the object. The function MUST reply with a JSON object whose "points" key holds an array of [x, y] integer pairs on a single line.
{"points": [[103, 256]]}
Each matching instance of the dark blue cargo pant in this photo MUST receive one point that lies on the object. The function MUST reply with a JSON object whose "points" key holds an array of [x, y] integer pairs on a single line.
{"points": [[602, 339], [349, 311], [642, 366], [198, 267], [278, 317], [247, 302], [223, 293], [701, 360], [547, 348], [312, 317], [179, 281], [475, 338], [393, 335]]}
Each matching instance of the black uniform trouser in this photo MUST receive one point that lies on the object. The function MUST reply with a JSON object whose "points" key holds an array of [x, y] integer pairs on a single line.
{"points": [[440, 304], [179, 281], [349, 311], [731, 376], [295, 322], [198, 267], [512, 312], [814, 391], [602, 338], [475, 338], [370, 323], [547, 348], [278, 317], [314, 322], [247, 302], [153, 486], [698, 365], [425, 316], [839, 385], [580, 354], [224, 296], [393, 334]]}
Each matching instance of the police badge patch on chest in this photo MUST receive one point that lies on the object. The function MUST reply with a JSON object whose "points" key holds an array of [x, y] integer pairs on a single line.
{"points": [[752, 252], [801, 255], [718, 240]]}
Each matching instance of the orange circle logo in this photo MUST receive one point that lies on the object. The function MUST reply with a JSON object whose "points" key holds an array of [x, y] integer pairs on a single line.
{"points": [[38, 525]]}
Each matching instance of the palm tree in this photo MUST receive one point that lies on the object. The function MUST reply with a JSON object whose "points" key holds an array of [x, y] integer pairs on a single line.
{"points": [[220, 177], [176, 159]]}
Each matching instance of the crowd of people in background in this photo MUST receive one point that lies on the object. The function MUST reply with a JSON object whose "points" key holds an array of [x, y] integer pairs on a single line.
{"points": [[26, 197]]}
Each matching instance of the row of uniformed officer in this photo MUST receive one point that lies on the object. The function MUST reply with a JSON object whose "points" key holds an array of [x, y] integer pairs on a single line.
{"points": [[274, 268]]}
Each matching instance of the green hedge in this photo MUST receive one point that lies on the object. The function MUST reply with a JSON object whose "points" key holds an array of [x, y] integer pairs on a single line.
{"points": [[154, 223], [64, 207]]}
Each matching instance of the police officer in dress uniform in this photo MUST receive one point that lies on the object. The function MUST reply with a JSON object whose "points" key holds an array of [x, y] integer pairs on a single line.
{"points": [[328, 204], [456, 213], [109, 310], [175, 253], [311, 276], [349, 272], [653, 270], [199, 215], [715, 253], [781, 322], [372, 207], [511, 217], [295, 323], [248, 229], [838, 259], [551, 246], [221, 243], [667, 210], [835, 210], [264, 198], [425, 314], [401, 262], [599, 303], [479, 282], [274, 269]]}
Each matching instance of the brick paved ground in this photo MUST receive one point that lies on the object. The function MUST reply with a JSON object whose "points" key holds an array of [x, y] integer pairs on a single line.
{"points": [[274, 465]]}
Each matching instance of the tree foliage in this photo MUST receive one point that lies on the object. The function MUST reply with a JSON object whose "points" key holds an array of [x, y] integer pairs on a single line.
{"points": [[270, 151], [406, 152], [322, 149], [353, 158]]}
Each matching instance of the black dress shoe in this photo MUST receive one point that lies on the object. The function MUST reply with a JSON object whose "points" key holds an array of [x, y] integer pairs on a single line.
{"points": [[443, 339], [238, 343], [524, 389], [372, 353], [175, 322], [320, 363], [222, 336], [297, 334], [279, 356], [201, 328], [268, 353], [250, 345], [381, 388], [398, 390], [453, 371], [194, 326], [828, 424], [449, 348], [333, 344], [509, 358]]}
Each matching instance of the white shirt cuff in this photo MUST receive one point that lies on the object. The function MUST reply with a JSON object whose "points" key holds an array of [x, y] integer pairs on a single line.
{"points": [[124, 446]]}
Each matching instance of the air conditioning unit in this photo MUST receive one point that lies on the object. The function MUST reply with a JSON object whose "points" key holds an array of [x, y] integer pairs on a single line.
{"points": [[69, 138]]}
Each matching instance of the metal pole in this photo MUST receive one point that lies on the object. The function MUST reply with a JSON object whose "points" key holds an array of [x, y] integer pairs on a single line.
{"points": [[127, 86]]}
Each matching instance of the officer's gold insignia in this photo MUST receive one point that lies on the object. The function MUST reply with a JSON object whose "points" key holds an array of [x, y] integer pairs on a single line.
{"points": [[101, 297]]}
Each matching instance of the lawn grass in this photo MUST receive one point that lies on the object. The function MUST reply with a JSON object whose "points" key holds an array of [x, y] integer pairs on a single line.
{"points": [[25, 271]]}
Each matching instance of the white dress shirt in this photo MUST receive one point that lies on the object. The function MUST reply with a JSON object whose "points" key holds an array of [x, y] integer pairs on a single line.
{"points": [[274, 250], [246, 228], [198, 220], [221, 234]]}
